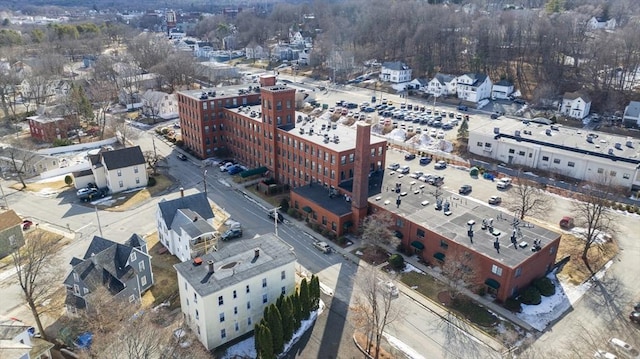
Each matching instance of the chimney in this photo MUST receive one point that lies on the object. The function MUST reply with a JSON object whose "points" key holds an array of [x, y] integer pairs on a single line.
{"points": [[195, 219], [181, 192], [210, 266], [256, 253], [360, 193]]}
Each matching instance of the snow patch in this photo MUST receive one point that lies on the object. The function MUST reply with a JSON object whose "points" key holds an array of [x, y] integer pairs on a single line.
{"points": [[550, 308], [404, 348], [409, 268]]}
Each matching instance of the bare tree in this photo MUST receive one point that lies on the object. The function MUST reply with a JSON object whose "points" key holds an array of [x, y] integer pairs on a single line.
{"points": [[178, 68], [527, 198], [20, 158], [103, 94], [376, 231], [458, 271], [593, 214], [36, 264], [373, 309], [153, 159]]}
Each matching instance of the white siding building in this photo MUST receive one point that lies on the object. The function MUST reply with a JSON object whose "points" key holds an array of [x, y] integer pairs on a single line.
{"points": [[631, 117], [474, 87], [575, 105], [396, 72], [565, 151], [223, 294], [501, 90], [185, 225], [119, 170], [442, 85]]}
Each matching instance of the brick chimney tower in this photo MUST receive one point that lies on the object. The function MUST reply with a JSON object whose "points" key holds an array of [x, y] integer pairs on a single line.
{"points": [[360, 192], [278, 112]]}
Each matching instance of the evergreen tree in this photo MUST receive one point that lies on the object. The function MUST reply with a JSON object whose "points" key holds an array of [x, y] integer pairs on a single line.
{"points": [[314, 292], [279, 302], [266, 344], [257, 337], [275, 325], [288, 320], [297, 310], [305, 302], [463, 130]]}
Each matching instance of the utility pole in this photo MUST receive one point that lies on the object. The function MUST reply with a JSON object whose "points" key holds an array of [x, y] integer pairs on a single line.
{"points": [[275, 219], [98, 217], [204, 180]]}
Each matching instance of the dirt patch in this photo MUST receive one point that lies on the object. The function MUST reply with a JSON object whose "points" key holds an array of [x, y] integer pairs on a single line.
{"points": [[165, 285], [127, 201], [49, 187], [372, 255], [361, 340], [445, 298], [575, 271]]}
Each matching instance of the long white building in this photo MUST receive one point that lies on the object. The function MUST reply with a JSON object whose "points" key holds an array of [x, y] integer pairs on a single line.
{"points": [[223, 294], [581, 154]]}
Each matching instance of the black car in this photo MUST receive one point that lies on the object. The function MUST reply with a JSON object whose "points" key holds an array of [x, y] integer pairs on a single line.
{"points": [[465, 189], [494, 116], [425, 160], [231, 234], [409, 156], [463, 108], [181, 156], [272, 216]]}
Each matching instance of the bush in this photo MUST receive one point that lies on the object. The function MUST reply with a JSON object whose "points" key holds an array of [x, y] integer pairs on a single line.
{"points": [[545, 286], [151, 182], [513, 305], [68, 180], [397, 261], [530, 296]]}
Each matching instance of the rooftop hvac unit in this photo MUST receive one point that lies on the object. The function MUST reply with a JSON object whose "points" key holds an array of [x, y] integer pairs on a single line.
{"points": [[301, 131], [334, 126], [496, 130], [311, 131], [629, 144], [517, 133], [618, 146], [548, 132], [610, 151]]}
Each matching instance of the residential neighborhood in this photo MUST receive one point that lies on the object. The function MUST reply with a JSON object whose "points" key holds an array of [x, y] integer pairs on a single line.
{"points": [[442, 179]]}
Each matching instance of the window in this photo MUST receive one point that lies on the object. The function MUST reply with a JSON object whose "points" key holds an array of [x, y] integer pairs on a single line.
{"points": [[76, 289], [552, 250], [195, 297], [521, 153], [119, 172], [120, 184], [137, 180], [545, 158], [235, 294], [511, 150], [135, 169], [237, 327], [518, 272], [197, 315], [133, 256], [420, 233], [76, 277], [283, 275], [220, 300], [143, 280], [600, 170], [249, 321], [556, 161], [444, 245], [480, 144], [264, 282], [132, 298], [223, 333], [487, 145], [235, 310], [496, 270], [612, 173], [283, 290], [343, 160], [198, 330], [571, 164], [141, 266], [248, 305], [626, 176], [221, 317], [247, 288], [264, 298], [352, 157]]}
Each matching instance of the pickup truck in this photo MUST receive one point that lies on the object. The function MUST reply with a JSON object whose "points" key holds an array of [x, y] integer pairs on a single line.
{"points": [[503, 183], [322, 247]]}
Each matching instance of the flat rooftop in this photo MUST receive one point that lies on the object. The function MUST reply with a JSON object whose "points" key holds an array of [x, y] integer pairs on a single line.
{"points": [[418, 206], [222, 93], [604, 145], [235, 262], [329, 134]]}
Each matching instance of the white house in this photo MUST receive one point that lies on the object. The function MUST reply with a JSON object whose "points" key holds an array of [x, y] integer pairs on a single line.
{"points": [[396, 72], [160, 105], [442, 85], [501, 90], [474, 87], [575, 105], [601, 23], [255, 52], [557, 149], [223, 294], [185, 225], [119, 170], [631, 117], [18, 341]]}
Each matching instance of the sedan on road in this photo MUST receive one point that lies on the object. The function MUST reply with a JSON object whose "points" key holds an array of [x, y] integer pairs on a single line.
{"points": [[440, 165], [465, 189], [495, 200]]}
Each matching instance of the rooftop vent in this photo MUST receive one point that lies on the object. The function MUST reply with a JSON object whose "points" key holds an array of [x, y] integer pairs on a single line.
{"points": [[548, 132], [301, 131], [610, 151], [618, 146], [496, 130], [334, 126], [311, 131], [210, 266], [589, 139], [629, 144], [256, 253]]}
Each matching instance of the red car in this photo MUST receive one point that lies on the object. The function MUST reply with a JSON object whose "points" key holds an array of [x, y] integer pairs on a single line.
{"points": [[26, 224]]}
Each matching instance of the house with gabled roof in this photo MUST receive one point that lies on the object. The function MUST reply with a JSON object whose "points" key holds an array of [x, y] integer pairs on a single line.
{"points": [[123, 270], [442, 85], [396, 72], [19, 341], [601, 23], [502, 89], [474, 87], [631, 117], [185, 226], [11, 237], [575, 105], [119, 170], [159, 105]]}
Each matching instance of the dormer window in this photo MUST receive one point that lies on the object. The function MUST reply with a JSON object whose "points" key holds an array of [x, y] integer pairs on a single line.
{"points": [[133, 256]]}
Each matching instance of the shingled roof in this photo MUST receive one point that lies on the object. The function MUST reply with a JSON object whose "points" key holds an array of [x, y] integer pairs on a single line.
{"points": [[9, 219], [122, 158], [196, 202]]}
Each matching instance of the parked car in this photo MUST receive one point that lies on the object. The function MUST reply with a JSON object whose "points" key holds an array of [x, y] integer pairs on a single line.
{"points": [[231, 234], [494, 116], [425, 160], [624, 348], [404, 170], [393, 166], [390, 288], [225, 167], [409, 156], [503, 183], [440, 165], [635, 317], [87, 194], [26, 224], [322, 247], [272, 216], [181, 156], [495, 200], [463, 108], [604, 355], [416, 174], [234, 170], [465, 189]]}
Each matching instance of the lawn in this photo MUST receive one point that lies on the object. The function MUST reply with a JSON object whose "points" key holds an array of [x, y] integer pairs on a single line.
{"points": [[575, 271], [43, 186], [127, 201], [164, 275]]}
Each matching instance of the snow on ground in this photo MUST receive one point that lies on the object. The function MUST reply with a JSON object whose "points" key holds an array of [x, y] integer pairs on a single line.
{"points": [[601, 238], [575, 292], [397, 135], [541, 315], [405, 349], [409, 268], [247, 347]]}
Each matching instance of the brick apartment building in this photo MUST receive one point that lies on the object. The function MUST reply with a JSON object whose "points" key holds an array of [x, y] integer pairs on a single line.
{"points": [[337, 177], [48, 129]]}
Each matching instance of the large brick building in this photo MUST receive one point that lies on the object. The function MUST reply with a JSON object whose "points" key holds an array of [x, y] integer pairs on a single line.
{"points": [[49, 129], [337, 177]]}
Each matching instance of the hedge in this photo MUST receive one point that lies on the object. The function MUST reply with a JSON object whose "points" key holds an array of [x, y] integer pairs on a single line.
{"points": [[545, 286], [530, 296]]}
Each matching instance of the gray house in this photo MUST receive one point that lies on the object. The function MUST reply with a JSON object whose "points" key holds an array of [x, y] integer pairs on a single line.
{"points": [[124, 270], [11, 237]]}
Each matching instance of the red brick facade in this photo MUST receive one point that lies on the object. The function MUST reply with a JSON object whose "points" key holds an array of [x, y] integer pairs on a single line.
{"points": [[48, 130]]}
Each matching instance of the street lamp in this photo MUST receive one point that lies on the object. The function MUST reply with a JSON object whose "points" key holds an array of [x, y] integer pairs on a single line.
{"points": [[204, 180]]}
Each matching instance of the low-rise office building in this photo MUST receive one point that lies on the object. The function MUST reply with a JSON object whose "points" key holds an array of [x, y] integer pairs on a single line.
{"points": [[223, 294]]}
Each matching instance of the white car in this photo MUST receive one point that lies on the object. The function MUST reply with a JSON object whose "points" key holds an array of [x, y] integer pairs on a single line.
{"points": [[433, 133], [393, 166], [440, 135], [225, 167], [416, 174], [404, 170], [390, 288], [601, 354], [440, 165], [623, 348]]}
